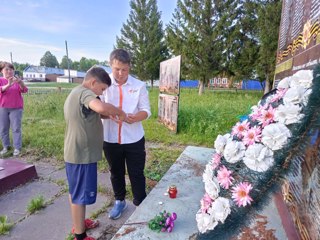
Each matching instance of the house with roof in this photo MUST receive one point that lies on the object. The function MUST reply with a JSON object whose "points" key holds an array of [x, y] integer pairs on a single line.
{"points": [[41, 74], [75, 76]]}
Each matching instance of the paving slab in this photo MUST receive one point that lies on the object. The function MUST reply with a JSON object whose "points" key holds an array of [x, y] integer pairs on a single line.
{"points": [[14, 203], [54, 221]]}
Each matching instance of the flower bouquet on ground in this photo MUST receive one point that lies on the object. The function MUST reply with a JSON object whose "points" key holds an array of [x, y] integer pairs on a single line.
{"points": [[250, 162], [164, 222]]}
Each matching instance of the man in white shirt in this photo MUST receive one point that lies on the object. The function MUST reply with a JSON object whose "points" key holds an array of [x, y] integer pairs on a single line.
{"points": [[124, 143]]}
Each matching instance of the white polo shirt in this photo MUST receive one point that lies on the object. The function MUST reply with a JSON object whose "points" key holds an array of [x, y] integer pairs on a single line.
{"points": [[131, 97]]}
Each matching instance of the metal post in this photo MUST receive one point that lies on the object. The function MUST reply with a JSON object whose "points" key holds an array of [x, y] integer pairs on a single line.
{"points": [[68, 61]]}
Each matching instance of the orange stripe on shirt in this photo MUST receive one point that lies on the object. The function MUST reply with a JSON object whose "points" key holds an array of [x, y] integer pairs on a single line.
{"points": [[120, 106]]}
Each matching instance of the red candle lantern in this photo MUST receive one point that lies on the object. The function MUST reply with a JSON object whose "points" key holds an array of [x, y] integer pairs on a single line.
{"points": [[172, 191]]}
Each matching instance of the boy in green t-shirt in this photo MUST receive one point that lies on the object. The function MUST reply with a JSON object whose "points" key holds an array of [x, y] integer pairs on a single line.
{"points": [[83, 144]]}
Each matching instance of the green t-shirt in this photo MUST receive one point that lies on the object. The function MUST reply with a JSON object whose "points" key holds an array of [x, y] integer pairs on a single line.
{"points": [[83, 140]]}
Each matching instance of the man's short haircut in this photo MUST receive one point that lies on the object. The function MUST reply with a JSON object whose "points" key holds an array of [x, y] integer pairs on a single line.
{"points": [[121, 55], [99, 74]]}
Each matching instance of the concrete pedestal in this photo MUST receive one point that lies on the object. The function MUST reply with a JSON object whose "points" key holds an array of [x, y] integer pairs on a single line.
{"points": [[186, 174], [14, 172]]}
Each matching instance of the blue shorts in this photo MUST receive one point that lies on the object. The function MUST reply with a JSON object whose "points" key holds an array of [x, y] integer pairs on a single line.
{"points": [[82, 180]]}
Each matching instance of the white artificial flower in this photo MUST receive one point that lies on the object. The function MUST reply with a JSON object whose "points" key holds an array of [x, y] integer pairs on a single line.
{"points": [[212, 187], [275, 136], [302, 78], [208, 173], [205, 221], [284, 83], [220, 142], [288, 113], [220, 209], [295, 95], [258, 157], [234, 151], [305, 97]]}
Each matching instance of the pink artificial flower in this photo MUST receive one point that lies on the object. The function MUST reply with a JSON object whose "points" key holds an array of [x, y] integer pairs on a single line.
{"points": [[205, 203], [224, 177], [240, 194], [257, 112], [252, 135], [279, 94], [267, 116], [216, 159], [240, 128]]}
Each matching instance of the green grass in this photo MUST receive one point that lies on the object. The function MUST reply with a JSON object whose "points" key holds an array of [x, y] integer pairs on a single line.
{"points": [[5, 225], [50, 85], [201, 119], [36, 204]]}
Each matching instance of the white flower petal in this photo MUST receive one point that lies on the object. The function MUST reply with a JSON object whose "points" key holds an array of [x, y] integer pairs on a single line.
{"points": [[284, 83], [234, 151], [288, 113], [205, 222], [212, 187], [302, 78], [294, 95], [220, 209], [275, 136], [220, 142], [258, 157]]}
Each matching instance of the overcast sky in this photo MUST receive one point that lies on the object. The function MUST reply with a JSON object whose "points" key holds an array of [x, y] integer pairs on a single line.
{"points": [[29, 28]]}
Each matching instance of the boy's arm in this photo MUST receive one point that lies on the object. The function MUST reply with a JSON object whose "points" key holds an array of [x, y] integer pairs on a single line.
{"points": [[106, 109]]}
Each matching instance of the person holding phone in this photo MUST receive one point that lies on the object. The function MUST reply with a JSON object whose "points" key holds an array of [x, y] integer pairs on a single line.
{"points": [[11, 108]]}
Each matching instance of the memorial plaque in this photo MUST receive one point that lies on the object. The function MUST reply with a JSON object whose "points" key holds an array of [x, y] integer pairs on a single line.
{"points": [[299, 48], [169, 87], [168, 111]]}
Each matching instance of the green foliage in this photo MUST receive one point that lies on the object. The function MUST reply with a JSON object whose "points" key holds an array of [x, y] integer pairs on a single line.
{"points": [[85, 64], [64, 62], [49, 60], [142, 35], [192, 34], [161, 159], [5, 225], [70, 236], [269, 16], [20, 67], [36, 204], [158, 223]]}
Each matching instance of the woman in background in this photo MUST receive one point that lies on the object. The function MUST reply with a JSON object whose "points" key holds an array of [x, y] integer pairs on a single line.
{"points": [[11, 108]]}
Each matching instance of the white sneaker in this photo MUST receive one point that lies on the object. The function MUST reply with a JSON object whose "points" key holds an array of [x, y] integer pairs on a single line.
{"points": [[16, 152], [4, 151]]}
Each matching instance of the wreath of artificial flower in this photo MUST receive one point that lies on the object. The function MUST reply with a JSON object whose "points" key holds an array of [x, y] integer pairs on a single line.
{"points": [[250, 162]]}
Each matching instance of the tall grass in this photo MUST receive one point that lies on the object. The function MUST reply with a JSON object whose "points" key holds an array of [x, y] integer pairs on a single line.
{"points": [[201, 119]]}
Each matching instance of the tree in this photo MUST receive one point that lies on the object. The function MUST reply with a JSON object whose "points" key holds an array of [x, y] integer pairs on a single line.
{"points": [[269, 16], [76, 65], [20, 67], [49, 60], [143, 36], [192, 34], [86, 63], [64, 62], [238, 37]]}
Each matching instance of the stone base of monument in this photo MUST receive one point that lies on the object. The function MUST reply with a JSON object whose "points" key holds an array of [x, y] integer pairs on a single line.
{"points": [[186, 174], [14, 172]]}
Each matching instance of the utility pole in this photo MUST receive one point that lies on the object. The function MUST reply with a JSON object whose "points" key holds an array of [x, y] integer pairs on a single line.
{"points": [[11, 57], [68, 61]]}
